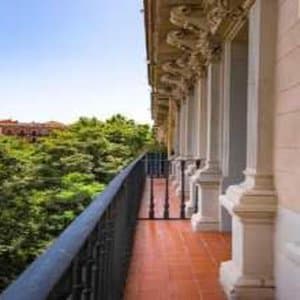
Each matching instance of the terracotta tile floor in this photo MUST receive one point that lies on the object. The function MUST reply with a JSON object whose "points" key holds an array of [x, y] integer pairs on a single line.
{"points": [[172, 262]]}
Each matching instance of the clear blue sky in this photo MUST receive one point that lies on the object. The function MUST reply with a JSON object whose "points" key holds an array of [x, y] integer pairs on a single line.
{"points": [[61, 59]]}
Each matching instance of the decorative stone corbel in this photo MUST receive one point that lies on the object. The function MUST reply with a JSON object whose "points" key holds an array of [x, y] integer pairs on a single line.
{"points": [[197, 64], [182, 39], [217, 11], [172, 68], [175, 81], [210, 48], [183, 16], [170, 93]]}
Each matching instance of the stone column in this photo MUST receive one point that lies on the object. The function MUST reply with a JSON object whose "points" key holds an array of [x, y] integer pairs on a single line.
{"points": [[182, 144], [182, 130], [200, 137], [191, 142], [202, 119], [185, 107], [208, 178], [176, 162], [177, 130], [249, 275], [175, 138]]}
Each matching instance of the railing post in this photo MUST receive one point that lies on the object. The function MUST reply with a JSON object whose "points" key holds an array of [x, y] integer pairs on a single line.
{"points": [[77, 285], [167, 205], [88, 265], [198, 163], [182, 206], [151, 210], [196, 199]]}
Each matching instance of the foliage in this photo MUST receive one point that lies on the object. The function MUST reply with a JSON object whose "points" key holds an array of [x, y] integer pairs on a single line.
{"points": [[45, 185]]}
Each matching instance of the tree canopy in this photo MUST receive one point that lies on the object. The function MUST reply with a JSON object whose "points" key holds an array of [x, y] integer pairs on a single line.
{"points": [[46, 184]]}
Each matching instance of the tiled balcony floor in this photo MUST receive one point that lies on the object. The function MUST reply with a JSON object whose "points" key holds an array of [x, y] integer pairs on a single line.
{"points": [[172, 262]]}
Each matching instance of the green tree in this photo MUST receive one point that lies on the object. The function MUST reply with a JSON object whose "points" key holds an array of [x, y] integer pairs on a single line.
{"points": [[45, 185]]}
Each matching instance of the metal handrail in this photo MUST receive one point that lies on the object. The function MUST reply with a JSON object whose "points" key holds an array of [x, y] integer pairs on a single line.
{"points": [[42, 279]]}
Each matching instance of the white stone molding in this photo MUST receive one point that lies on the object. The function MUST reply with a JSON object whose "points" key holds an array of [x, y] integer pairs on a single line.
{"points": [[253, 204]]}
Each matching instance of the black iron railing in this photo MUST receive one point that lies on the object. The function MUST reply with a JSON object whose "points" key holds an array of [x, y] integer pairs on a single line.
{"points": [[90, 259], [158, 166]]}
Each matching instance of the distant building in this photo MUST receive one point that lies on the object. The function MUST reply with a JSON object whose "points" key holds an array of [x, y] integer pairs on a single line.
{"points": [[30, 130]]}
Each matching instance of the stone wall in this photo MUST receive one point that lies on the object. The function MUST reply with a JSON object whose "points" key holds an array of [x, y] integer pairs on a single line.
{"points": [[287, 150], [287, 120]]}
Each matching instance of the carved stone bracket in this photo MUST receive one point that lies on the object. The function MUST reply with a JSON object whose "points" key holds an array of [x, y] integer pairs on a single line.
{"points": [[182, 16], [217, 11], [182, 39], [172, 80]]}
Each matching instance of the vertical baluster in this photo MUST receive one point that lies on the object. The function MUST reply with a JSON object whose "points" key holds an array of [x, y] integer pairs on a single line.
{"points": [[198, 163], [77, 278], [196, 199], [111, 242], [182, 206], [90, 264], [151, 164], [151, 209], [96, 269], [105, 278], [167, 205], [129, 216], [102, 257]]}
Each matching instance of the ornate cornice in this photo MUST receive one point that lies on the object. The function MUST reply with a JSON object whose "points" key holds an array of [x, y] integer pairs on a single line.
{"points": [[200, 23], [200, 27]]}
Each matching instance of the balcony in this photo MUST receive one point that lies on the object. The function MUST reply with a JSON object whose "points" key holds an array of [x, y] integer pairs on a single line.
{"points": [[132, 242]]}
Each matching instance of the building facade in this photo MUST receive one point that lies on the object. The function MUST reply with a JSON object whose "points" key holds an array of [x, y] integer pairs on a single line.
{"points": [[225, 83], [30, 131]]}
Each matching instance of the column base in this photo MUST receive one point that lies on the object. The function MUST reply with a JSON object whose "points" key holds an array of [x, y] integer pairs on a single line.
{"points": [[238, 287], [208, 182], [189, 208], [252, 204], [202, 223]]}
